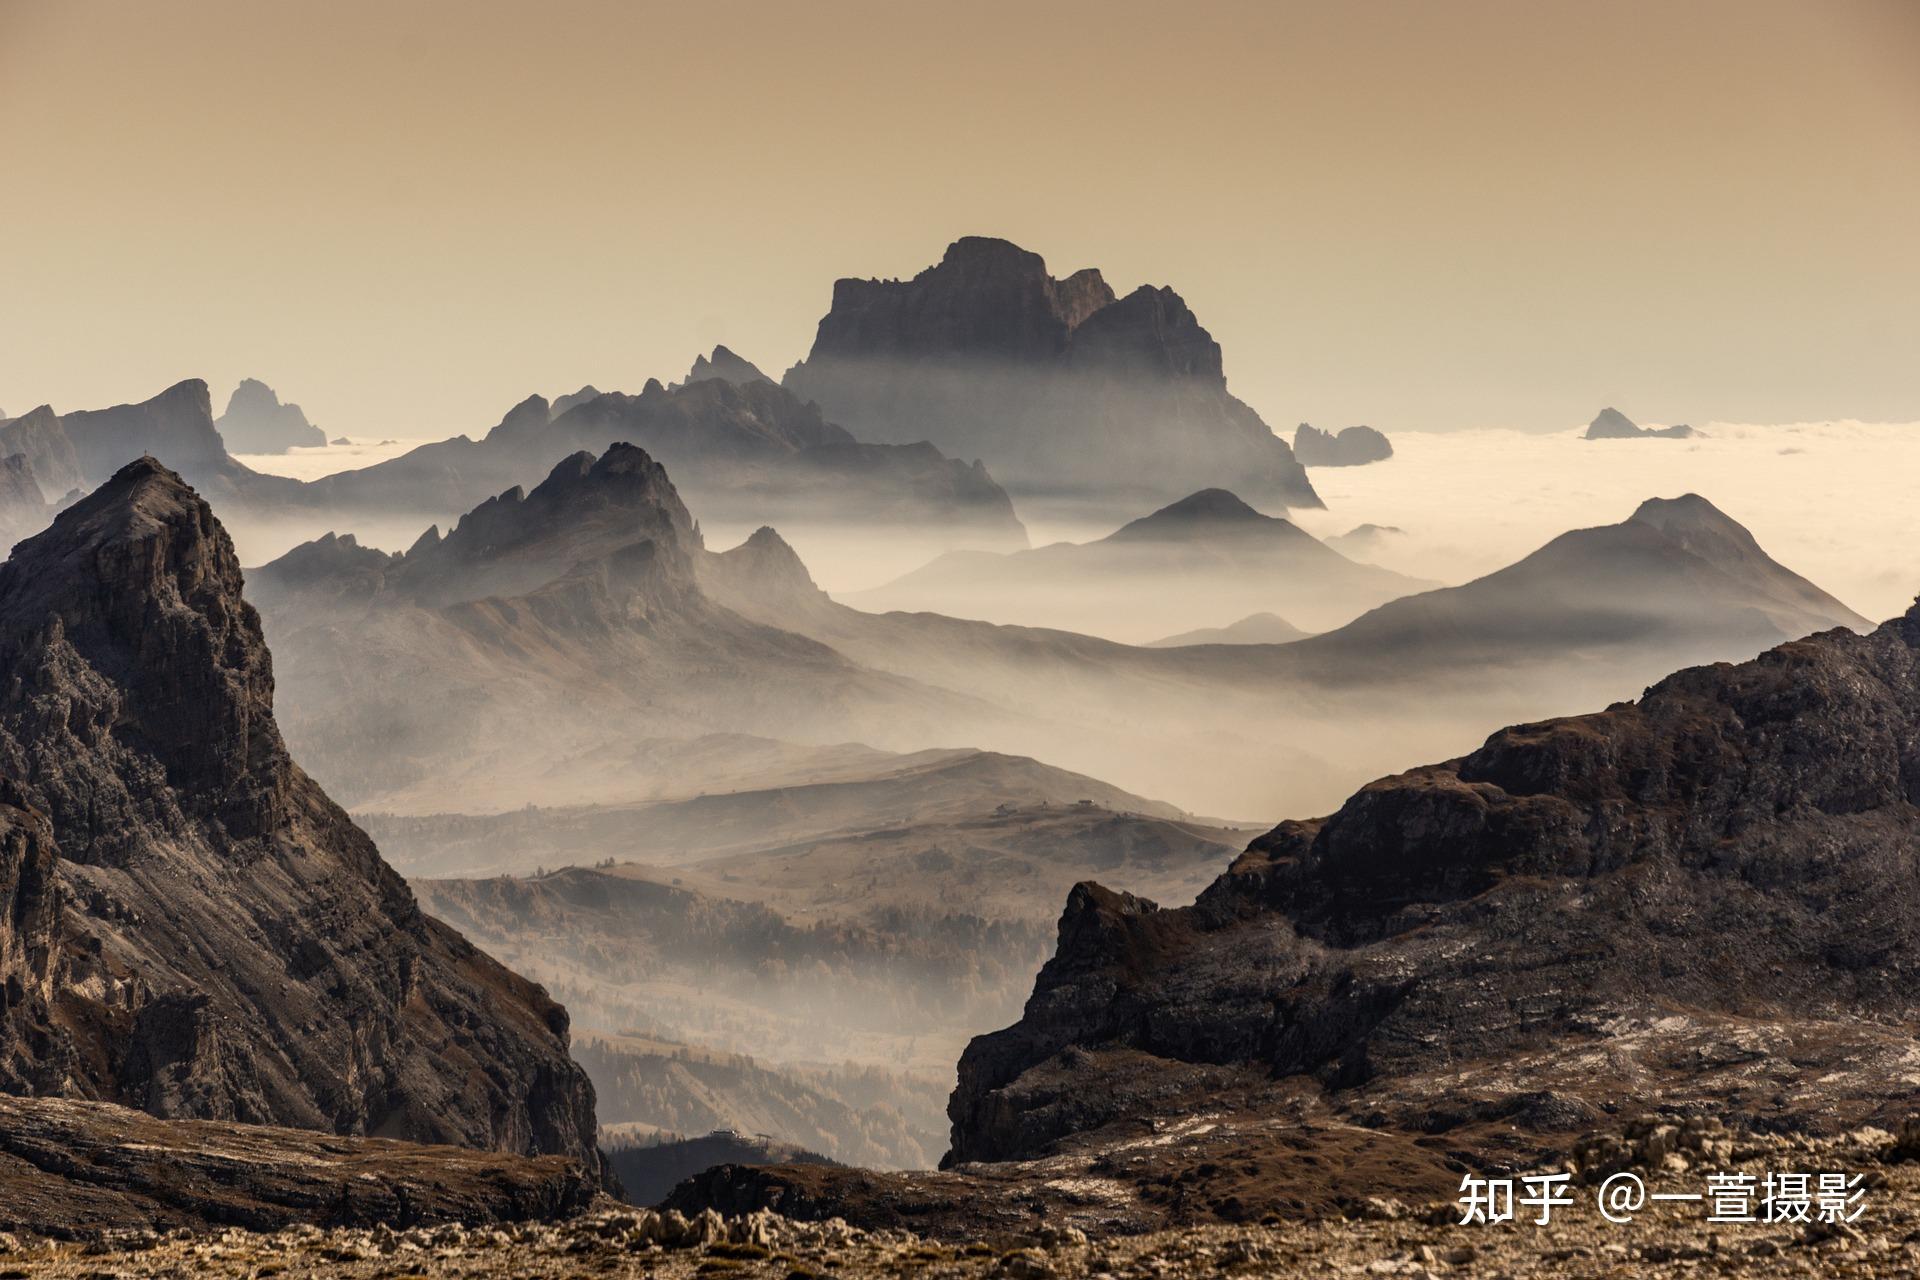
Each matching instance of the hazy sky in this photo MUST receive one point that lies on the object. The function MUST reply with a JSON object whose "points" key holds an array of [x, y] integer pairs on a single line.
{"points": [[1416, 213]]}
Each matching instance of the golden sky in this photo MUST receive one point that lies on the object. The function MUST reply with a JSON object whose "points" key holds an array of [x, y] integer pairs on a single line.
{"points": [[1417, 213]]}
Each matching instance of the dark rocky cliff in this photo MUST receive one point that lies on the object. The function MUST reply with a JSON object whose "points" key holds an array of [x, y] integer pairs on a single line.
{"points": [[1704, 899], [191, 927]]}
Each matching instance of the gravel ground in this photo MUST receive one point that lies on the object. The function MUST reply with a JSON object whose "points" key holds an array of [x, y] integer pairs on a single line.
{"points": [[1665, 1238]]}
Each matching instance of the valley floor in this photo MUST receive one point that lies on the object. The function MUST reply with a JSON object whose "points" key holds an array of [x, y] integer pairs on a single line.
{"points": [[1666, 1240]]}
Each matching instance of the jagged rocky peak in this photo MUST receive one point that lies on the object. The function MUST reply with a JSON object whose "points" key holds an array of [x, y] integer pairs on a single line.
{"points": [[1350, 447], [586, 509], [1611, 424], [1058, 385], [256, 421], [224, 943], [724, 365], [140, 577], [986, 298]]}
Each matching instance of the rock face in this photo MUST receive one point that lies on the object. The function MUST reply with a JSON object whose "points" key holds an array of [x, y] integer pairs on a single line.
{"points": [[256, 422], [1611, 424], [1707, 898], [1059, 385], [726, 366], [194, 929], [1351, 447]]}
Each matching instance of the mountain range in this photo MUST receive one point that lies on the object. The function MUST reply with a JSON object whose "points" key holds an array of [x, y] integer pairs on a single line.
{"points": [[1209, 557], [750, 451]]}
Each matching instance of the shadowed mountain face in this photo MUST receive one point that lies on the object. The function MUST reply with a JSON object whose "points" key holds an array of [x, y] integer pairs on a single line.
{"points": [[1678, 576], [256, 422], [192, 927], [1611, 424], [1061, 387], [1705, 896], [1208, 558]]}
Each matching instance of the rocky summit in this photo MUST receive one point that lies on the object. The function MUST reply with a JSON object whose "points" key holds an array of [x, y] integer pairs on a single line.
{"points": [[188, 925], [1060, 385], [1705, 899]]}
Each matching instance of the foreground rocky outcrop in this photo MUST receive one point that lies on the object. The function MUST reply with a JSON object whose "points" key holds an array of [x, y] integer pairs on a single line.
{"points": [[1059, 385], [72, 1170], [256, 422], [1710, 897], [1349, 447], [191, 927]]}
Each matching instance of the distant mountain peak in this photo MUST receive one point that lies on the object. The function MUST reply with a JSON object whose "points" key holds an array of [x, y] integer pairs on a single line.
{"points": [[1208, 510], [1687, 510], [529, 416], [257, 422], [1611, 424], [1057, 382], [723, 365], [1349, 447], [763, 569]]}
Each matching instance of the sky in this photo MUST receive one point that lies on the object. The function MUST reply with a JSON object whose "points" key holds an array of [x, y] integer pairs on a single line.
{"points": [[1421, 215]]}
